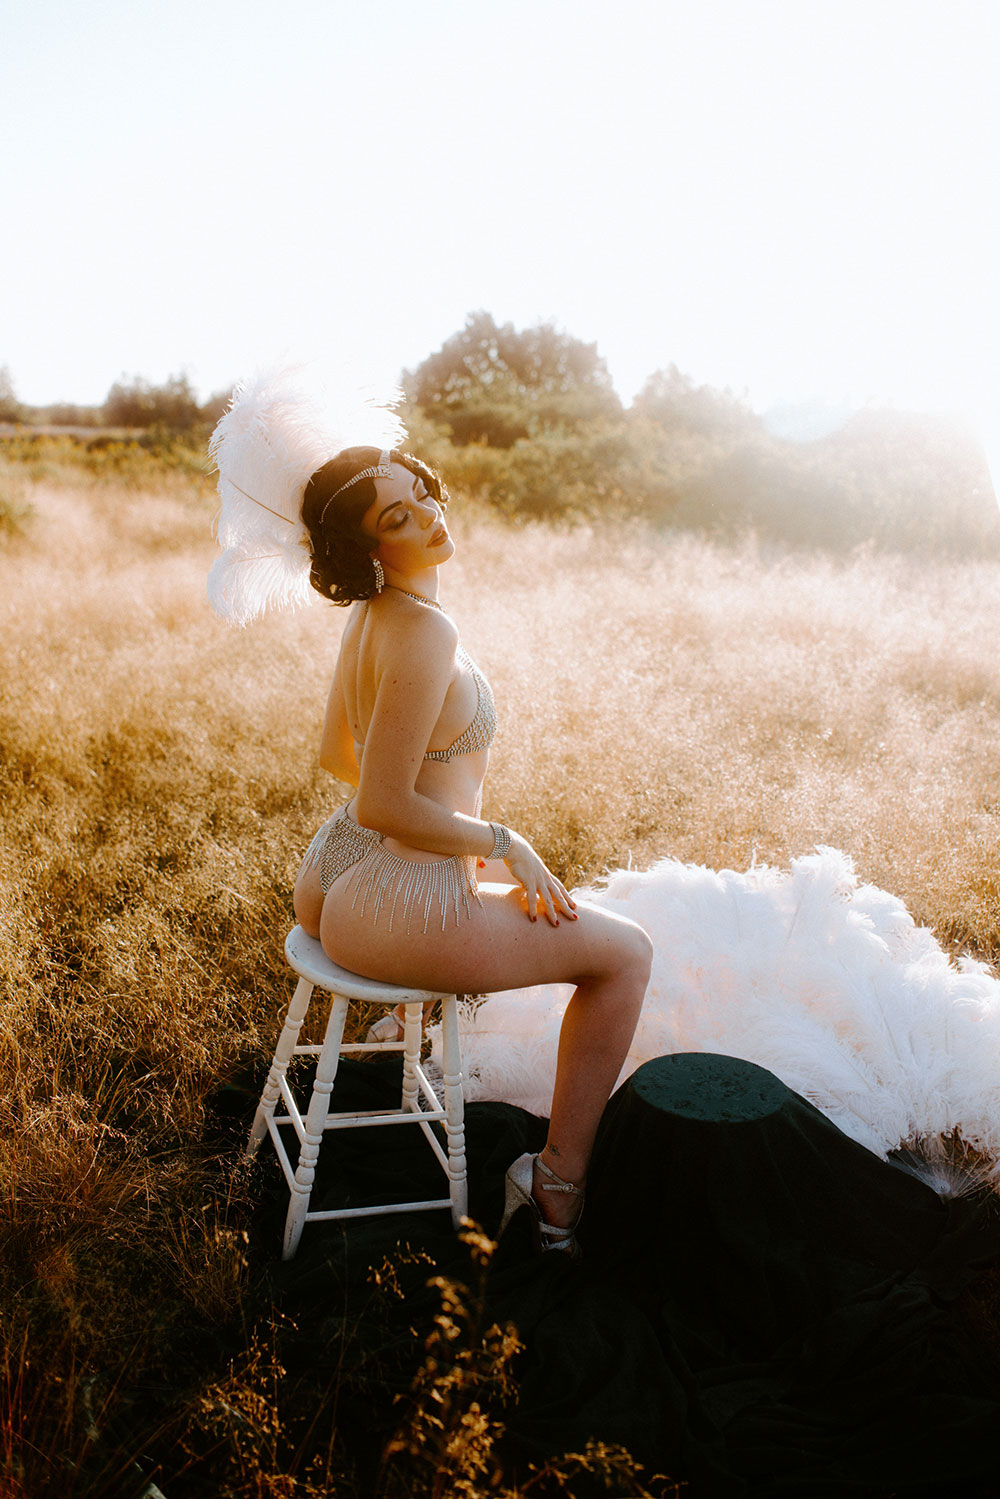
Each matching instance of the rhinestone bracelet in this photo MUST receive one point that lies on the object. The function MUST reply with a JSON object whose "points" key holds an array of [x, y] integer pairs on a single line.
{"points": [[501, 841]]}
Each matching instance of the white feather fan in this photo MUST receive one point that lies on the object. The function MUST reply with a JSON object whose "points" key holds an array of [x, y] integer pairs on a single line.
{"points": [[277, 432]]}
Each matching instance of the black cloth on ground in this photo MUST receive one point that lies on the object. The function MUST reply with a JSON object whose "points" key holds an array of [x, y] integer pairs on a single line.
{"points": [[764, 1308]]}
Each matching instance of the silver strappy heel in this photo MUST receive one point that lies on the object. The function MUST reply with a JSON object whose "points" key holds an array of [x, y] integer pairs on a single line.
{"points": [[518, 1184], [389, 1028]]}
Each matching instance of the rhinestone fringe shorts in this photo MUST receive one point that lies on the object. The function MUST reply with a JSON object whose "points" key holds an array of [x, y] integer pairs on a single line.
{"points": [[384, 881]]}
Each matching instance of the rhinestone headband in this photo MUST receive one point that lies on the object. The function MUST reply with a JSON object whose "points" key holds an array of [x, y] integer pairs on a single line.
{"points": [[381, 470]]}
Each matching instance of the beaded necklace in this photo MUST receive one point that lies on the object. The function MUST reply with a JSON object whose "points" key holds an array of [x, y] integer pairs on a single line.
{"points": [[431, 603]]}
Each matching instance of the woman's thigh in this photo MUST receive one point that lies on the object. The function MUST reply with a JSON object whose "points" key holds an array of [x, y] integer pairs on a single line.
{"points": [[495, 947]]}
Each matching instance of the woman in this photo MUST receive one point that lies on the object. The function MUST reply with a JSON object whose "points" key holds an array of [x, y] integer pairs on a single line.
{"points": [[389, 882]]}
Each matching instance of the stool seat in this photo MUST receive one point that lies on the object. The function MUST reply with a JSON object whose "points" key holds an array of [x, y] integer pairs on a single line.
{"points": [[305, 956], [419, 1104]]}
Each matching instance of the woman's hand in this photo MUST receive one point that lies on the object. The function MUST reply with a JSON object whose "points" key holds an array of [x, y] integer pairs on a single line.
{"points": [[540, 884]]}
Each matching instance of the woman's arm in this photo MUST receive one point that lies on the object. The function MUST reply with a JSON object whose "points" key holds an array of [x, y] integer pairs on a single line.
{"points": [[415, 667], [336, 750]]}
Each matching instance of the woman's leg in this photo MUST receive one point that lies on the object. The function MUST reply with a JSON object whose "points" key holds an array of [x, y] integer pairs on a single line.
{"points": [[605, 956]]}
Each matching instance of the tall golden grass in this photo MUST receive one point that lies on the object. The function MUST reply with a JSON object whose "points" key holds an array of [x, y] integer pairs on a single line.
{"points": [[659, 694]]}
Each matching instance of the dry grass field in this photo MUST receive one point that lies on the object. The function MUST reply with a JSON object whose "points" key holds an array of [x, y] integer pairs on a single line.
{"points": [[658, 694]]}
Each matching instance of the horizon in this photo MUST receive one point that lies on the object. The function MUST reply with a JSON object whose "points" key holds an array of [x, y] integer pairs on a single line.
{"points": [[794, 204], [796, 421]]}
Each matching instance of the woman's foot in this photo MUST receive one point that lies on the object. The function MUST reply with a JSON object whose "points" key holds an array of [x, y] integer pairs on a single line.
{"points": [[559, 1200], [555, 1204], [389, 1028]]}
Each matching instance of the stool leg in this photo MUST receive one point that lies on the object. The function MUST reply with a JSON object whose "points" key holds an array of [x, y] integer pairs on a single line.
{"points": [[315, 1120], [413, 1031], [454, 1102], [282, 1056]]}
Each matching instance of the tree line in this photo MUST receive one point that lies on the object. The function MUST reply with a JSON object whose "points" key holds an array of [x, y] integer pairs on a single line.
{"points": [[528, 421], [132, 403]]}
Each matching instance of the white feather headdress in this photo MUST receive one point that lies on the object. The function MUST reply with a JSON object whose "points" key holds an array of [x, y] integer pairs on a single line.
{"points": [[277, 432]]}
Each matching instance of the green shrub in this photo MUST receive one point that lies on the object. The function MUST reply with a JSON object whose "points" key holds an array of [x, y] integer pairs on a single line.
{"points": [[16, 511]]}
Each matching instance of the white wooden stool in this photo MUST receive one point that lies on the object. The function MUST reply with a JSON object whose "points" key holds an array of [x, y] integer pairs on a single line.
{"points": [[418, 1104]]}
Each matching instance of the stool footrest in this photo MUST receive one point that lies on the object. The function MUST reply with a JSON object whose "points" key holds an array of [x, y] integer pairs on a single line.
{"points": [[287, 1169], [371, 1048], [368, 1118], [372, 1212], [288, 1099]]}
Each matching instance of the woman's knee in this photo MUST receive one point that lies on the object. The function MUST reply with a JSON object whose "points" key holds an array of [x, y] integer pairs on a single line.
{"points": [[643, 951], [640, 949], [635, 949], [627, 958]]}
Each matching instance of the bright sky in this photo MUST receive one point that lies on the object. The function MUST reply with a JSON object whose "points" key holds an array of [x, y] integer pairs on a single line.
{"points": [[797, 200]]}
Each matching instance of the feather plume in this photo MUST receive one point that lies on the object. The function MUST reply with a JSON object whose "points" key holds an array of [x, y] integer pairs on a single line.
{"points": [[276, 433]]}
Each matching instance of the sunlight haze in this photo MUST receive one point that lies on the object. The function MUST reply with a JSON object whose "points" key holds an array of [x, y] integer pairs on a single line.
{"points": [[794, 200]]}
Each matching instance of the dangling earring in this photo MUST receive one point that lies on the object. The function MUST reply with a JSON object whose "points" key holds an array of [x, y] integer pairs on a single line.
{"points": [[379, 575]]}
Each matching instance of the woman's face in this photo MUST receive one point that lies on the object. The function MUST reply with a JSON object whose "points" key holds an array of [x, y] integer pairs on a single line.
{"points": [[406, 524]]}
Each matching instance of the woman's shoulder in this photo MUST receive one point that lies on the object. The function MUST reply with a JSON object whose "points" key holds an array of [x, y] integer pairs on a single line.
{"points": [[401, 622]]}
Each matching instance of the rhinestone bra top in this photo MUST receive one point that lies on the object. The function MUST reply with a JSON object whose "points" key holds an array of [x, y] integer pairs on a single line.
{"points": [[482, 730]]}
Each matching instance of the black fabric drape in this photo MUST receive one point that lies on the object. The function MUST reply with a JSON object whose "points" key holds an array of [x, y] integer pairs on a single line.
{"points": [[764, 1308]]}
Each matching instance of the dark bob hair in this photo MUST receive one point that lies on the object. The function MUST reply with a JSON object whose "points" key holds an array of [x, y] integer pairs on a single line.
{"points": [[342, 567]]}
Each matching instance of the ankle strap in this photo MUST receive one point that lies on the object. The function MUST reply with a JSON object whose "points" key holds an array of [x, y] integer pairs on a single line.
{"points": [[556, 1183]]}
